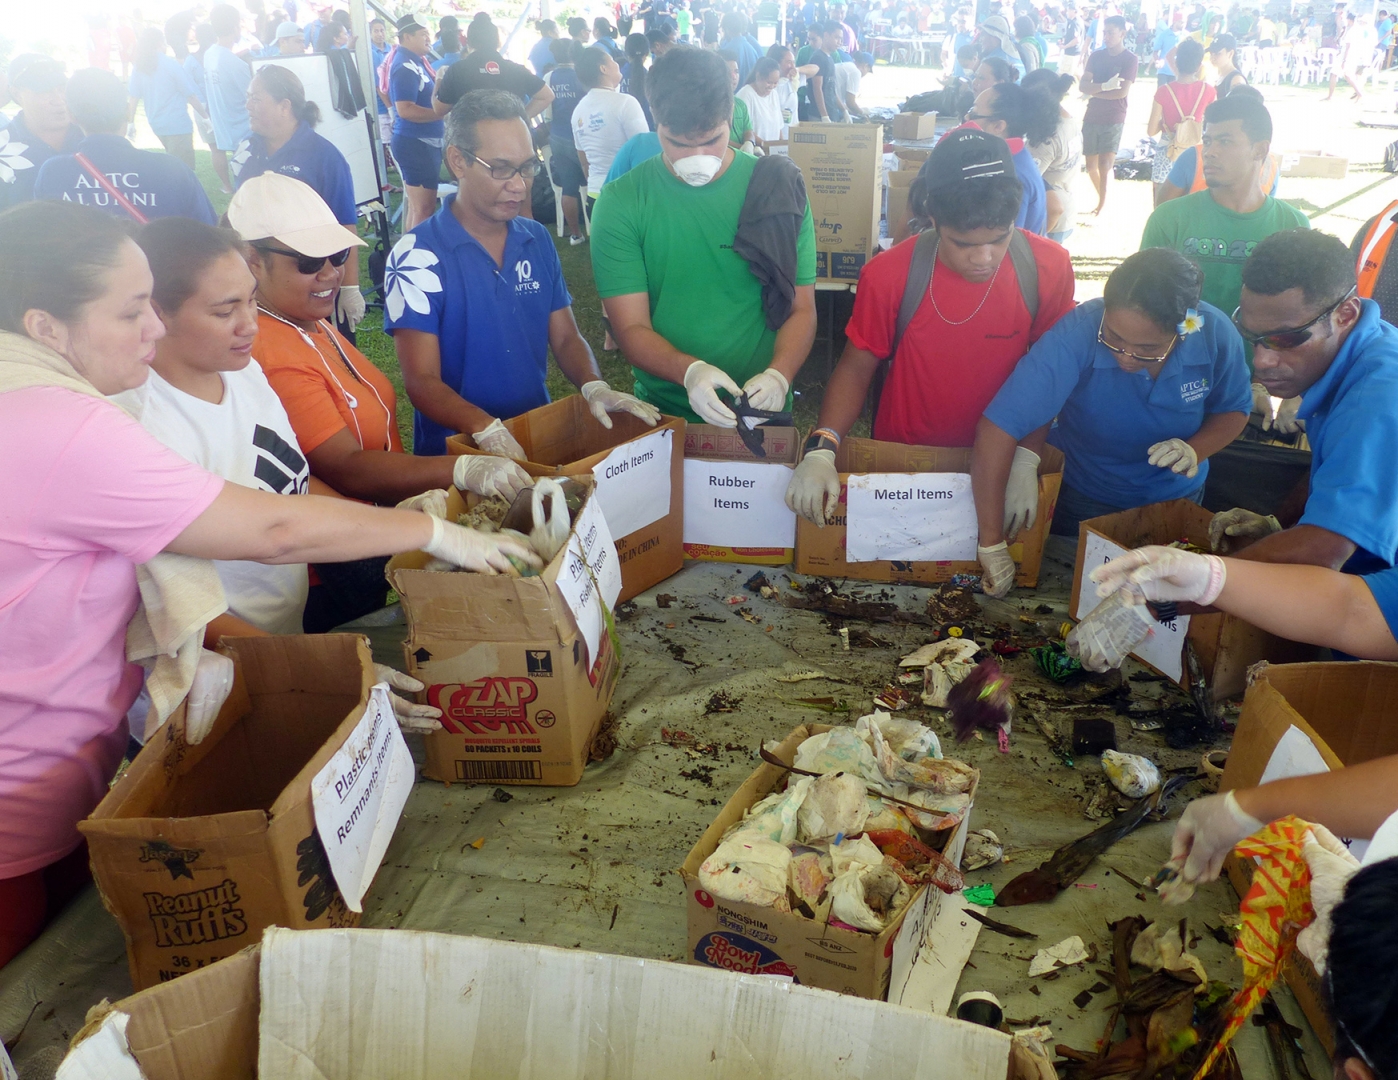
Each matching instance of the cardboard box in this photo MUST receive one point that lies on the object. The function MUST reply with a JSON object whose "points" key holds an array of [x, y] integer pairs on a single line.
{"points": [[720, 519], [842, 165], [377, 1004], [1315, 163], [522, 695], [197, 849], [914, 125], [822, 551], [754, 940], [1348, 712], [1226, 645], [563, 438]]}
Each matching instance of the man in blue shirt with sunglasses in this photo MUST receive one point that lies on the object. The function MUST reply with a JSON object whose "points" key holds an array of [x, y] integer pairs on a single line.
{"points": [[1312, 336]]}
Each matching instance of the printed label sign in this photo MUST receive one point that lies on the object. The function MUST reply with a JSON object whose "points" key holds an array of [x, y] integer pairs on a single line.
{"points": [[737, 504], [633, 482], [913, 517], [1164, 649], [359, 795], [590, 565]]}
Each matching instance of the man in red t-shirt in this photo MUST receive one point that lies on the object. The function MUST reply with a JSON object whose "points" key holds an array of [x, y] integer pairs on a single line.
{"points": [[967, 334]]}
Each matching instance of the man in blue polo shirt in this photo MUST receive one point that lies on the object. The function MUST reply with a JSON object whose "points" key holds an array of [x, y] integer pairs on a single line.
{"points": [[1312, 336], [41, 128], [109, 173], [475, 296], [417, 131]]}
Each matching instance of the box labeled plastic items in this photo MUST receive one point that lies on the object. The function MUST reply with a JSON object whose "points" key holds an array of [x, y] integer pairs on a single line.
{"points": [[735, 502], [913, 517], [843, 168]]}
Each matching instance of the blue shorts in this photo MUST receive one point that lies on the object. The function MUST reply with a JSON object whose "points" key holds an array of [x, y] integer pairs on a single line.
{"points": [[419, 163], [565, 167]]}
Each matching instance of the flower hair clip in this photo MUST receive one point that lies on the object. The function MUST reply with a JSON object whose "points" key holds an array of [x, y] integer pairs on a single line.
{"points": [[1193, 323]]}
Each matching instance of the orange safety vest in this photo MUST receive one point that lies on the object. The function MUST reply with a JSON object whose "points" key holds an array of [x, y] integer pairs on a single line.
{"points": [[1264, 181], [1374, 250]]}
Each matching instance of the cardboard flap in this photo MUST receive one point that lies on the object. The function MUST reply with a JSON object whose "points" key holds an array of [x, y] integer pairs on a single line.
{"points": [[857, 455], [724, 444]]}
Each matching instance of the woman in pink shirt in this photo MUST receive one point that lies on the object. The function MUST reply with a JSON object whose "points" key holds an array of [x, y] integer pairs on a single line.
{"points": [[85, 495]]}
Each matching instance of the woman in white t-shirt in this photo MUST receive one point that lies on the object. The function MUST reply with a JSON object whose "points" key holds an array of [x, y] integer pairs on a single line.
{"points": [[604, 118], [760, 95]]}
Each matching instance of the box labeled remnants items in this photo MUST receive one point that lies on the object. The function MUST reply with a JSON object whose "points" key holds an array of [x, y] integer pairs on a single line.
{"points": [[842, 165], [1301, 719], [371, 1004], [735, 502], [1226, 645], [906, 515], [198, 848], [914, 125], [523, 669], [754, 940], [639, 472]]}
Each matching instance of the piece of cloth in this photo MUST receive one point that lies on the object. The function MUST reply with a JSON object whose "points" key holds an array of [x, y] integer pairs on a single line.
{"points": [[768, 227], [488, 71], [765, 113], [1217, 239], [652, 233], [1351, 415], [346, 87], [1108, 418], [226, 79], [1101, 138], [932, 396], [635, 150], [602, 123], [248, 439], [491, 321], [30, 901], [166, 92], [22, 154], [310, 158], [1185, 173], [1033, 212], [322, 392], [567, 92], [1101, 67], [157, 185], [410, 79]]}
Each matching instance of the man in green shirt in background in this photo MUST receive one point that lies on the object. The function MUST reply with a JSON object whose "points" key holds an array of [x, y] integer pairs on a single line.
{"points": [[686, 309]]}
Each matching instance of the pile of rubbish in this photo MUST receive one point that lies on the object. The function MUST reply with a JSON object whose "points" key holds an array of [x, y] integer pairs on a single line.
{"points": [[540, 518], [854, 836]]}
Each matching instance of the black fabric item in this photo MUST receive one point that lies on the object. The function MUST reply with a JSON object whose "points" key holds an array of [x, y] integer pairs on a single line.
{"points": [[768, 226], [348, 591], [346, 90]]}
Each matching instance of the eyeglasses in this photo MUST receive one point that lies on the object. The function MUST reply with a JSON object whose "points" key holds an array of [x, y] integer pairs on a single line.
{"points": [[528, 170], [1281, 340], [1119, 351], [308, 264]]}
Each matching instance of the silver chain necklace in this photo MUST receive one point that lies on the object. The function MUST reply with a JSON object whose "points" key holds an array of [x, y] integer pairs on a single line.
{"points": [[961, 322]]}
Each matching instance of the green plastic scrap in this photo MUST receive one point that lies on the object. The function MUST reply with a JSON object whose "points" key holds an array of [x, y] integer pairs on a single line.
{"points": [[1054, 661], [980, 895]]}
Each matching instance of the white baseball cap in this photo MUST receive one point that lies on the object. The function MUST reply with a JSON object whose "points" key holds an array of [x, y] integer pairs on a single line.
{"points": [[277, 207]]}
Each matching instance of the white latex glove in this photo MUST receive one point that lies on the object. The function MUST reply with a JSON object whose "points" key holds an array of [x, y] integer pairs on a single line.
{"points": [[411, 716], [433, 503], [814, 489], [1240, 523], [1175, 455], [1208, 830], [213, 681], [1262, 404], [1021, 494], [1331, 867], [349, 304], [1162, 574], [484, 553], [1114, 83], [703, 382], [1286, 422], [1109, 633], [997, 569], [490, 475], [602, 399], [494, 439], [767, 390]]}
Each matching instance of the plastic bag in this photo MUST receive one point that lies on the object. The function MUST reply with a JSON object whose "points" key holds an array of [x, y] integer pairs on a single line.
{"points": [[1132, 775], [908, 739], [943, 776], [1110, 632], [836, 804], [748, 868], [867, 897], [839, 748], [775, 816]]}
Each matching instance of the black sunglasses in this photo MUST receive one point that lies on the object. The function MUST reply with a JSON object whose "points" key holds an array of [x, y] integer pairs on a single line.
{"points": [[1281, 340], [308, 264]]}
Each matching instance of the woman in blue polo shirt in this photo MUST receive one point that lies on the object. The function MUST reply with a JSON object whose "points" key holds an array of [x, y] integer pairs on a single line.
{"points": [[168, 92], [1145, 384]]}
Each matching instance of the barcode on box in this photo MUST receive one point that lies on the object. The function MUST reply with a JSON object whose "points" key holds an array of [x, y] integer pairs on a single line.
{"points": [[499, 770]]}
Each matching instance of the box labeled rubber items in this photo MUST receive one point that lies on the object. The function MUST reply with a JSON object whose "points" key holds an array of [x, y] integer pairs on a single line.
{"points": [[1225, 645], [916, 518], [639, 471], [523, 668], [197, 849], [843, 168], [735, 502]]}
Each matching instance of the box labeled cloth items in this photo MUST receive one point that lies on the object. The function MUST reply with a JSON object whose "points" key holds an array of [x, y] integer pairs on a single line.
{"points": [[735, 502]]}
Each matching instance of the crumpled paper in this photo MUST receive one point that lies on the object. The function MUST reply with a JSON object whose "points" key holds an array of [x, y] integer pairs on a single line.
{"points": [[1067, 952], [1160, 948]]}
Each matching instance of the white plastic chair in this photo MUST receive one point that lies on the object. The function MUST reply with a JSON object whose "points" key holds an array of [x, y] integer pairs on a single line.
{"points": [[557, 191]]}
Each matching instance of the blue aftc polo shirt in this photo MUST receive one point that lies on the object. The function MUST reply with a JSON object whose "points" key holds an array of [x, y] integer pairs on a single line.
{"points": [[157, 185], [410, 79], [492, 323], [22, 154], [308, 157], [1108, 419], [166, 92], [1351, 415]]}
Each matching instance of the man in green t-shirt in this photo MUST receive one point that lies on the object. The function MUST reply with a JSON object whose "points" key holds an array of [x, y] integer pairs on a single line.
{"points": [[686, 309]]}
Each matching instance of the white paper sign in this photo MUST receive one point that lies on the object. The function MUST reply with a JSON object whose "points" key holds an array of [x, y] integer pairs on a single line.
{"points": [[633, 482], [1164, 649], [737, 504], [590, 548], [359, 796], [921, 517], [7, 1069], [1296, 755]]}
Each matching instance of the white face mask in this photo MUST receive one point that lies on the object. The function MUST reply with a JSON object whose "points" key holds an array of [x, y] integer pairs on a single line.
{"points": [[697, 170]]}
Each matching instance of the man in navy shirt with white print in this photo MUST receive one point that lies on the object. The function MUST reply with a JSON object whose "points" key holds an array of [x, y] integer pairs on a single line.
{"points": [[475, 297]]}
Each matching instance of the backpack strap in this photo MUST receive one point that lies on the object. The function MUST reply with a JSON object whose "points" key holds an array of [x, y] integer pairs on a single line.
{"points": [[1169, 89], [1027, 272], [919, 278]]}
